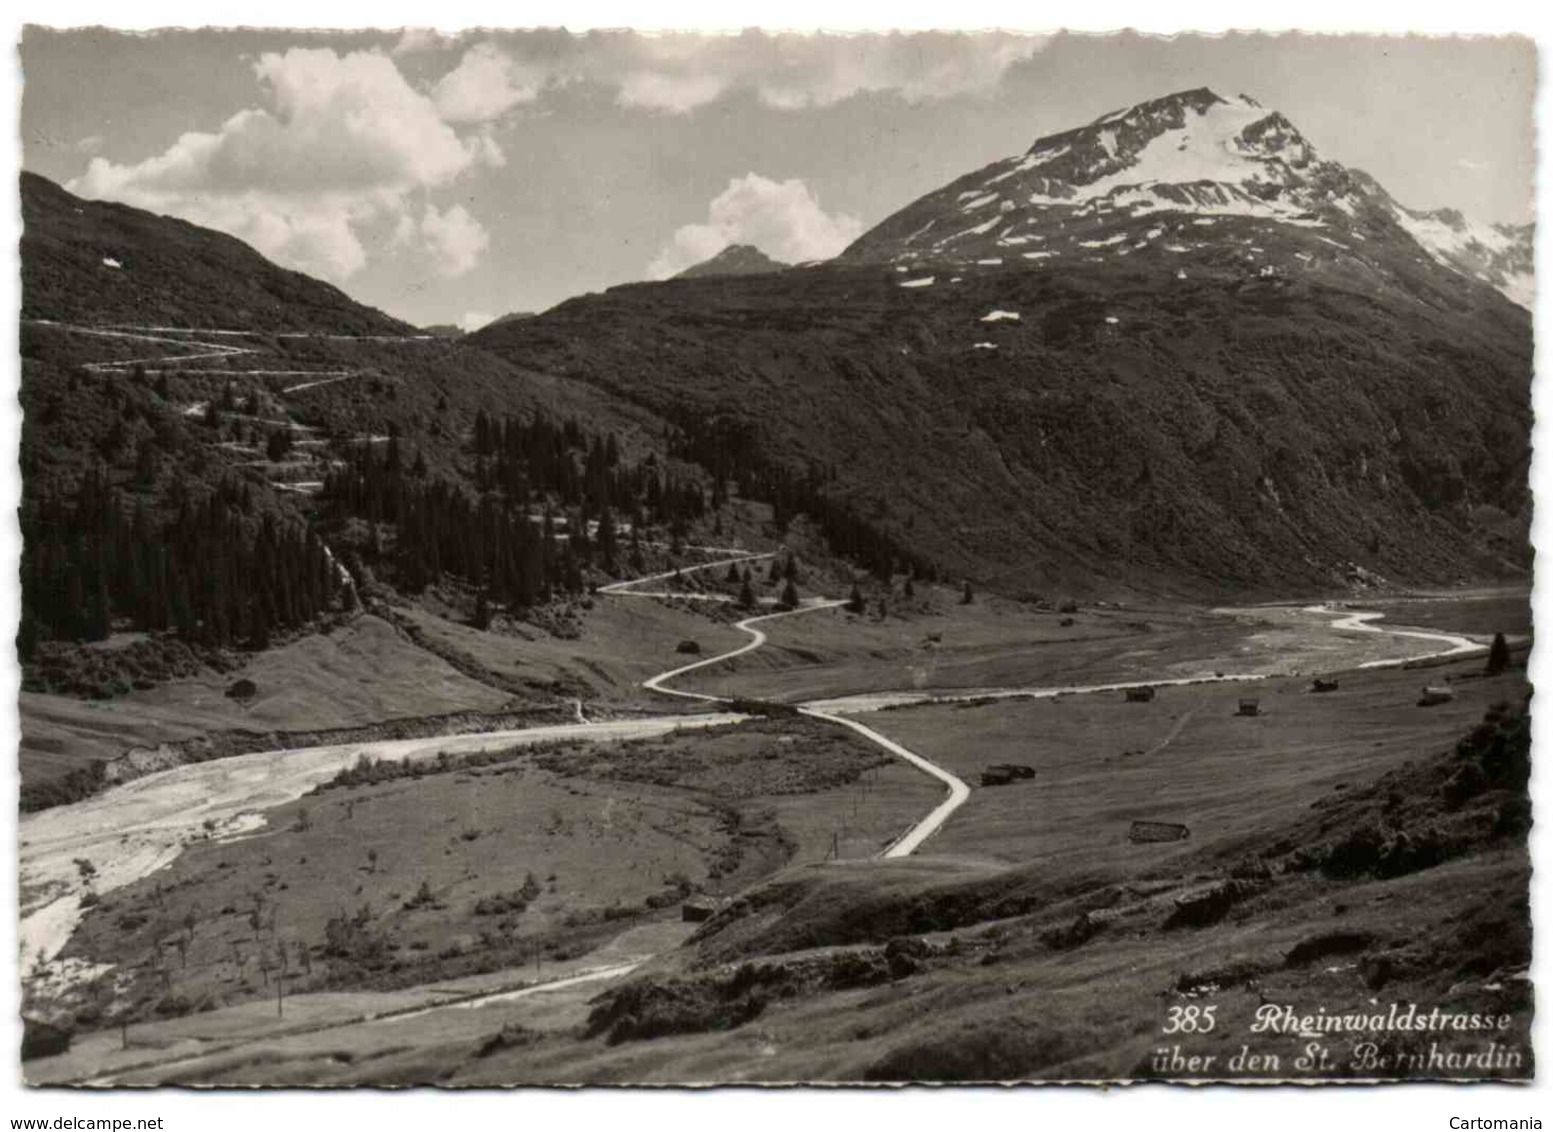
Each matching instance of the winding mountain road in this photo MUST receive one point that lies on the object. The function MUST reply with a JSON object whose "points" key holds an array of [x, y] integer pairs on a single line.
{"points": [[913, 838]]}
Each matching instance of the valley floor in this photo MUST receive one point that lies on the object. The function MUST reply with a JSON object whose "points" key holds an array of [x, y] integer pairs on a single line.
{"points": [[609, 827]]}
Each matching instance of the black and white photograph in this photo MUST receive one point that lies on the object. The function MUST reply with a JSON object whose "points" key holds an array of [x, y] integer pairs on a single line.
{"points": [[634, 557]]}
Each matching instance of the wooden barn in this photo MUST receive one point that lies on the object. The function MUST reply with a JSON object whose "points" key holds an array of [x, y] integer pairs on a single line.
{"points": [[1142, 832]]}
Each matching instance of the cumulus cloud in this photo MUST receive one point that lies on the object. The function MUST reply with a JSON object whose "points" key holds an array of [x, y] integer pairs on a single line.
{"points": [[678, 72], [792, 72], [486, 83], [454, 238], [416, 41], [341, 142], [781, 218]]}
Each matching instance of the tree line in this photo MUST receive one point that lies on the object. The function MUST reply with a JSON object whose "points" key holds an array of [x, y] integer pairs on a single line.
{"points": [[731, 451], [212, 569], [550, 502]]}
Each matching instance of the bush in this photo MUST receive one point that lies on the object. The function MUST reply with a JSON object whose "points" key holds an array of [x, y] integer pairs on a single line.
{"points": [[685, 1005], [82, 782], [503, 903], [510, 1036]]}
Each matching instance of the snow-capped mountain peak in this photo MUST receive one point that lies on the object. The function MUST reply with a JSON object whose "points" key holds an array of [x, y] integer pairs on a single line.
{"points": [[1165, 168]]}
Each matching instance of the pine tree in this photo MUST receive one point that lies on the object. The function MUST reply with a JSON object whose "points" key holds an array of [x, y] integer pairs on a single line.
{"points": [[1498, 656], [638, 563], [909, 591], [968, 595], [732, 577], [606, 539], [746, 594], [790, 595], [855, 601]]}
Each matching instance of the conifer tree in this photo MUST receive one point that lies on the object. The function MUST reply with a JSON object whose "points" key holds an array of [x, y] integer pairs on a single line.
{"points": [[790, 595], [1498, 656]]}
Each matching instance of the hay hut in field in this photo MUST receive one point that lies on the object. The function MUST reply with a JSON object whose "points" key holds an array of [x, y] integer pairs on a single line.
{"points": [[1142, 832], [1320, 685], [698, 909], [1018, 770], [1140, 695], [1433, 694], [1249, 706]]}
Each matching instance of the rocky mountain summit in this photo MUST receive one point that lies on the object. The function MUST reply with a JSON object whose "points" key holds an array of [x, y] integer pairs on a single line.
{"points": [[1162, 175]]}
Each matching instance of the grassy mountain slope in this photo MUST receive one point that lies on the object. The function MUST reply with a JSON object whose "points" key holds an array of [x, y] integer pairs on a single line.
{"points": [[1118, 424], [169, 273]]}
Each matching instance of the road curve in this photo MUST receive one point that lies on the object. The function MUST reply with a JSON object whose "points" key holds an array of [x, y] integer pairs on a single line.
{"points": [[908, 842]]}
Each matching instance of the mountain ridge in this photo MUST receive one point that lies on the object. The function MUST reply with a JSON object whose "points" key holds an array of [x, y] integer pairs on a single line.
{"points": [[1158, 167], [94, 261], [735, 259], [1256, 381]]}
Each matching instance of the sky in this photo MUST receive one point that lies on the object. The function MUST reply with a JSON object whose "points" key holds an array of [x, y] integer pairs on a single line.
{"points": [[454, 178]]}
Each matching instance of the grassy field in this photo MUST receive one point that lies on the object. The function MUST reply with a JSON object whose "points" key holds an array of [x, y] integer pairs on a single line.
{"points": [[409, 864], [1069, 967], [1029, 940], [622, 641], [369, 671], [358, 674], [401, 892], [393, 879], [1481, 614], [1186, 757], [831, 793], [935, 641]]}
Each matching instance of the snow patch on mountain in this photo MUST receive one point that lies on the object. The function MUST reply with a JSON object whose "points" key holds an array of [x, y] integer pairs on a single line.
{"points": [[1117, 182]]}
